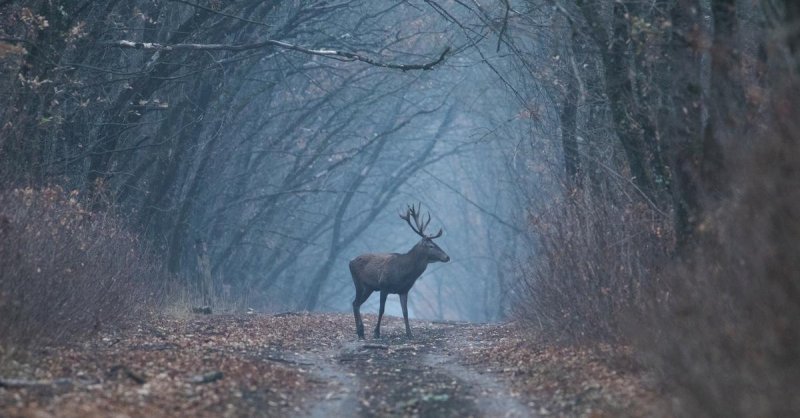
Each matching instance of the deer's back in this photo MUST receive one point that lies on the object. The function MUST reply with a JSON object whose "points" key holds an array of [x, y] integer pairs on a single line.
{"points": [[370, 269], [392, 272]]}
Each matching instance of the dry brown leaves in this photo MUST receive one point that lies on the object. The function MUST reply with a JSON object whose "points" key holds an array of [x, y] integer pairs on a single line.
{"points": [[152, 371], [279, 365], [596, 381]]}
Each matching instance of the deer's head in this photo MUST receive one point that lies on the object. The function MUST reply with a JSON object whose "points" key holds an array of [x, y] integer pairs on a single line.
{"points": [[425, 246]]}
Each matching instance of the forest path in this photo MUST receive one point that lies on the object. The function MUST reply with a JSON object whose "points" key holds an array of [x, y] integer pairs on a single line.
{"points": [[423, 376], [311, 365]]}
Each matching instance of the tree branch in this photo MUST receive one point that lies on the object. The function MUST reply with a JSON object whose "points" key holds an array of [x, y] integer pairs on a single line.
{"points": [[505, 25], [329, 53]]}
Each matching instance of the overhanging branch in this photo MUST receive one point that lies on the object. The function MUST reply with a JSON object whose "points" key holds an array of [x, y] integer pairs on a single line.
{"points": [[329, 53]]}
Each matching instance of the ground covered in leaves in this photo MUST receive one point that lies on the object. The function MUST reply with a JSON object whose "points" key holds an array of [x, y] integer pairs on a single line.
{"points": [[312, 365]]}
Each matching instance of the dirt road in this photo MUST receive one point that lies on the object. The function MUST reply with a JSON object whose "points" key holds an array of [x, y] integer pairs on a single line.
{"points": [[305, 365], [424, 376]]}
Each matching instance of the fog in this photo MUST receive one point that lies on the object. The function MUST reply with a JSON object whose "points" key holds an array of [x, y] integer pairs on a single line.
{"points": [[257, 147]]}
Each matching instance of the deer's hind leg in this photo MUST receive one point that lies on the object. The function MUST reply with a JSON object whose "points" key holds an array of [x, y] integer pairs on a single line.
{"points": [[362, 294]]}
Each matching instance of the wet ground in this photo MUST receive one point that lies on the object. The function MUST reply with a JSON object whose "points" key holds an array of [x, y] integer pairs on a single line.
{"points": [[423, 376]]}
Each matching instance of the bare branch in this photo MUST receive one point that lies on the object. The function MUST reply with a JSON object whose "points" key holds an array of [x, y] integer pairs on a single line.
{"points": [[505, 25], [329, 53]]}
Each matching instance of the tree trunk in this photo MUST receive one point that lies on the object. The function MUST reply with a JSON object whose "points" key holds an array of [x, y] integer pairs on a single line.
{"points": [[684, 123], [619, 89]]}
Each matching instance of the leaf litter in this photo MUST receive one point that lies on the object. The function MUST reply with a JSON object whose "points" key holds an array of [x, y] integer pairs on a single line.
{"points": [[312, 365]]}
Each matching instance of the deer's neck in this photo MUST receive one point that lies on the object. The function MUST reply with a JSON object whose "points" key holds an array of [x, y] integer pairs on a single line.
{"points": [[403, 270], [415, 261]]}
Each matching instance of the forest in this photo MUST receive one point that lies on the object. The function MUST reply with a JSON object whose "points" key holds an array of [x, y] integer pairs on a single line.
{"points": [[617, 183]]}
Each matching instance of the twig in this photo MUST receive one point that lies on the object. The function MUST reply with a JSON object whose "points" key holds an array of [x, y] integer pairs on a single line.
{"points": [[139, 379], [376, 346], [206, 378], [25, 383]]}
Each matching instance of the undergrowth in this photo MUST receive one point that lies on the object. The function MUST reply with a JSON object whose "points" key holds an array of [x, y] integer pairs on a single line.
{"points": [[65, 271]]}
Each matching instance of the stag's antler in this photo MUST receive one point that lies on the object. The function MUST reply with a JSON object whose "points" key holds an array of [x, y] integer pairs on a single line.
{"points": [[413, 212], [420, 222]]}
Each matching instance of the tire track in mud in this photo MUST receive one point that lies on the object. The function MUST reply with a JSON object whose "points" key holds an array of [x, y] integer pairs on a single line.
{"points": [[395, 376]]}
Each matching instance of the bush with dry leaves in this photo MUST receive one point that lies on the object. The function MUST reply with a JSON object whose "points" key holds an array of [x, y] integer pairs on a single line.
{"points": [[66, 271]]}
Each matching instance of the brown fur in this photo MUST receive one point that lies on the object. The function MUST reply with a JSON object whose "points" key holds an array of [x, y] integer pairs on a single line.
{"points": [[391, 273]]}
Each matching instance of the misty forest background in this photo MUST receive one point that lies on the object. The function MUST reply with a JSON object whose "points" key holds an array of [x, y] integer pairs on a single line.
{"points": [[621, 172]]}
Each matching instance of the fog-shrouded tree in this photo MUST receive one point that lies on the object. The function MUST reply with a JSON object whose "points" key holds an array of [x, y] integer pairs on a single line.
{"points": [[264, 139]]}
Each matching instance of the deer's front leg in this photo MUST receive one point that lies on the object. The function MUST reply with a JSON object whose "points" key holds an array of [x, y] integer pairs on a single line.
{"points": [[404, 305], [377, 333], [361, 296]]}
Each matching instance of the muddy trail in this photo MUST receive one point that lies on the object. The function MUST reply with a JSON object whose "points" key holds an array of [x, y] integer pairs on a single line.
{"points": [[311, 365], [422, 376]]}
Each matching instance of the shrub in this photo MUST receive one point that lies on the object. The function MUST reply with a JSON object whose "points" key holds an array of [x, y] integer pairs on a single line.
{"points": [[64, 271], [724, 333], [593, 259]]}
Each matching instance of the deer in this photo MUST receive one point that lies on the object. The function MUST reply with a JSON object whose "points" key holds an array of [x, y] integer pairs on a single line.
{"points": [[393, 273]]}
